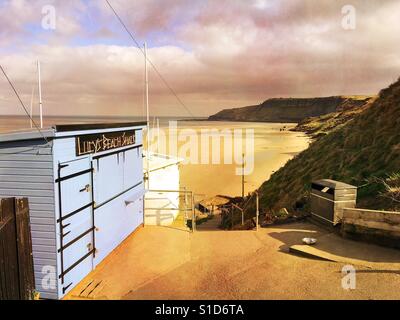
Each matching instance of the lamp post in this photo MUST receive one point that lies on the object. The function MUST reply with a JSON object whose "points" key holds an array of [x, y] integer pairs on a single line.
{"points": [[242, 175]]}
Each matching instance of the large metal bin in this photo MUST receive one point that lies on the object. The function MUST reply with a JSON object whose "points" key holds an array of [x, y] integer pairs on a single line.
{"points": [[329, 197]]}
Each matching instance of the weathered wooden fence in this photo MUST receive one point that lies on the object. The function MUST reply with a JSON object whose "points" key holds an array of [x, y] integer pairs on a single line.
{"points": [[16, 261]]}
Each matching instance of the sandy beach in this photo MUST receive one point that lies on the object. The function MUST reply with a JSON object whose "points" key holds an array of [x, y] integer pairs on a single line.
{"points": [[272, 149]]}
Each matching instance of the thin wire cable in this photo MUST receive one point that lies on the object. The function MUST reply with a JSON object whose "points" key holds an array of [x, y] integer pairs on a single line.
{"points": [[150, 62], [22, 104]]}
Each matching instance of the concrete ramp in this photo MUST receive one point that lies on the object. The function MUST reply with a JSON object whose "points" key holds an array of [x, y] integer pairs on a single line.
{"points": [[332, 247]]}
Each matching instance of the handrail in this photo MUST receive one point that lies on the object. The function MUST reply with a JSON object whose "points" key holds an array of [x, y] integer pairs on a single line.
{"points": [[233, 206], [248, 201], [182, 192]]}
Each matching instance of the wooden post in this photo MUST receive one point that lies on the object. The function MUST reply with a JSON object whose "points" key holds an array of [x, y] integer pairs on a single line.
{"points": [[16, 261], [24, 245], [9, 279]]}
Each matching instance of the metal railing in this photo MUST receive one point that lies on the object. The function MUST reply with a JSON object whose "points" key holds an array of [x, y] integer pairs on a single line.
{"points": [[236, 214], [188, 200]]}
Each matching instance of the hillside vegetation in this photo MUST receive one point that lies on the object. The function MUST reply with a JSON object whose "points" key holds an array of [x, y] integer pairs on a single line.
{"points": [[291, 109], [322, 125], [364, 152]]}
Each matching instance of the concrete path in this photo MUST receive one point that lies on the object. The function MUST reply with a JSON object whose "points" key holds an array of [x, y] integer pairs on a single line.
{"points": [[211, 224], [332, 247], [165, 263]]}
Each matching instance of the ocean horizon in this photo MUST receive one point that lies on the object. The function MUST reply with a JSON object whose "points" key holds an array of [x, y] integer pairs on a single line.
{"points": [[22, 122]]}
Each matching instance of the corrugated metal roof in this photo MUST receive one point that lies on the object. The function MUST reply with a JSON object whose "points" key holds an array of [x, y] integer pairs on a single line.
{"points": [[26, 135]]}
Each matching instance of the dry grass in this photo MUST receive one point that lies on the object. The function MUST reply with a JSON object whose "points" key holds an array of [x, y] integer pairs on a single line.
{"points": [[364, 147]]}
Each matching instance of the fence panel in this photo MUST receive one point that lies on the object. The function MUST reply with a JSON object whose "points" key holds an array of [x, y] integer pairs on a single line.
{"points": [[16, 261], [24, 245], [9, 288]]}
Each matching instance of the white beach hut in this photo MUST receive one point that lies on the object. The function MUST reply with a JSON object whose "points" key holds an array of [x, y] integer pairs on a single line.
{"points": [[85, 188], [162, 201]]}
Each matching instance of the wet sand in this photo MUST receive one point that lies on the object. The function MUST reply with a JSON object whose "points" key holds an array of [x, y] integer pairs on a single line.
{"points": [[272, 149]]}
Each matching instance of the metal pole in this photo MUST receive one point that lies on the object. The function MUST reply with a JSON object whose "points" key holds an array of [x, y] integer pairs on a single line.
{"points": [[193, 215], [232, 216], [144, 210], [153, 130], [31, 108], [257, 210], [185, 214], [158, 135], [243, 175], [147, 115], [40, 95]]}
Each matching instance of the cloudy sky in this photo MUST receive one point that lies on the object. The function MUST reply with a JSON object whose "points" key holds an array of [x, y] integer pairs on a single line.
{"points": [[215, 54]]}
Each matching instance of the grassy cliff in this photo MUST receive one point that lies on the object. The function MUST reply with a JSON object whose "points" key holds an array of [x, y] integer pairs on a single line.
{"points": [[290, 109], [363, 152], [322, 125]]}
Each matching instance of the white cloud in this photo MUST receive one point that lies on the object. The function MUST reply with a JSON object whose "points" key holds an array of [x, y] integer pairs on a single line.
{"points": [[236, 53]]}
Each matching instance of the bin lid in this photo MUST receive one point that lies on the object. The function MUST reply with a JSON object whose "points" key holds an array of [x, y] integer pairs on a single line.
{"points": [[332, 184]]}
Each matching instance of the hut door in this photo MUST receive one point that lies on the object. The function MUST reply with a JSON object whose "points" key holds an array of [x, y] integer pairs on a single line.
{"points": [[116, 181], [75, 221]]}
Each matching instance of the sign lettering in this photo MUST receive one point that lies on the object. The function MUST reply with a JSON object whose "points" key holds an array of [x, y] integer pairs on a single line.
{"points": [[99, 142]]}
